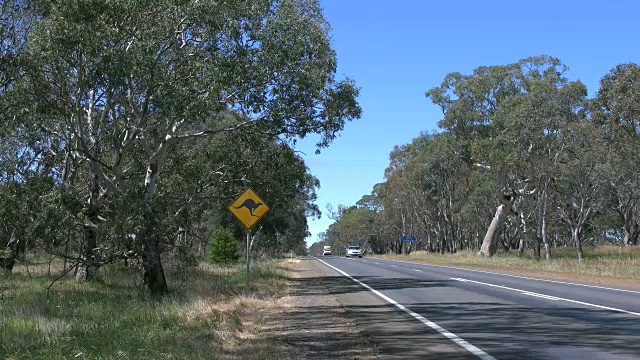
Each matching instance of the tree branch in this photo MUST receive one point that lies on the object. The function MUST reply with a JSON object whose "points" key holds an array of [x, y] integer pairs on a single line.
{"points": [[484, 166], [145, 145], [205, 133]]}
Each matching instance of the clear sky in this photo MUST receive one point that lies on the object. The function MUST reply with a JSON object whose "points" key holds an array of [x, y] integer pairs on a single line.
{"points": [[397, 50]]}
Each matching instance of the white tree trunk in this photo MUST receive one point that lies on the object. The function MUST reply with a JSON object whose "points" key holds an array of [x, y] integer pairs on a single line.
{"points": [[626, 228], [490, 238], [543, 232], [578, 240], [88, 268]]}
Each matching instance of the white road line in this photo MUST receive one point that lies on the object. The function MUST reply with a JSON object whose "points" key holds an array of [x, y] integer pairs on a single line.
{"points": [[416, 270], [541, 296], [393, 265], [548, 297], [517, 276], [451, 336], [375, 262]]}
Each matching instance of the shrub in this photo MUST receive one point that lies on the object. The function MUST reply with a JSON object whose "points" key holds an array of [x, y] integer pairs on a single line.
{"points": [[223, 247]]}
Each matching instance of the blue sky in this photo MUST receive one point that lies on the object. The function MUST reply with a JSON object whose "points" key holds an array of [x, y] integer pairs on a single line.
{"points": [[397, 50]]}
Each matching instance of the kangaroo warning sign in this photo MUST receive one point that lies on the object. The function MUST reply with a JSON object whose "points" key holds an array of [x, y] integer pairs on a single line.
{"points": [[248, 208]]}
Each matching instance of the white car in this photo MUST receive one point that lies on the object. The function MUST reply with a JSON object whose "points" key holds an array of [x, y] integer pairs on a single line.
{"points": [[354, 251], [326, 251]]}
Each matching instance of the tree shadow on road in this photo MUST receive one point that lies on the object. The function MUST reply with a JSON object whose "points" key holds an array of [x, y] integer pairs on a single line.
{"points": [[344, 285], [514, 331], [505, 331]]}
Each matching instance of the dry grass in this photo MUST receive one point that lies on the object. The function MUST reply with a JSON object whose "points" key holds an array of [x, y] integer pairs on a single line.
{"points": [[604, 262], [207, 315]]}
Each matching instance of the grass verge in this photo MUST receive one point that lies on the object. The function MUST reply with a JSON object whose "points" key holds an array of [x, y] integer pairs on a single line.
{"points": [[603, 264], [207, 315]]}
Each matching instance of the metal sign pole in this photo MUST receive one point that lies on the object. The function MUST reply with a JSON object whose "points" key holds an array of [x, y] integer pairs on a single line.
{"points": [[246, 284], [248, 208]]}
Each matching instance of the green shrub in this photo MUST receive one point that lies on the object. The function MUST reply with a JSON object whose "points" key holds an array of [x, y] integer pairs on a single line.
{"points": [[223, 247]]}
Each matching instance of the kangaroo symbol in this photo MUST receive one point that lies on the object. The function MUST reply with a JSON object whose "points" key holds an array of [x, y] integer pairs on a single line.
{"points": [[251, 205]]}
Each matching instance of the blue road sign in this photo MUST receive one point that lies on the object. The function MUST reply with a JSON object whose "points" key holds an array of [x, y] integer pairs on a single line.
{"points": [[408, 239]]}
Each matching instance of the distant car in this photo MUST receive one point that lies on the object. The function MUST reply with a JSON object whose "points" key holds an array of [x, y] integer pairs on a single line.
{"points": [[326, 251], [354, 251]]}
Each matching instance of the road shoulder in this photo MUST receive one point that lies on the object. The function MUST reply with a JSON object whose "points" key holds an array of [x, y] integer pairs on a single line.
{"points": [[311, 323]]}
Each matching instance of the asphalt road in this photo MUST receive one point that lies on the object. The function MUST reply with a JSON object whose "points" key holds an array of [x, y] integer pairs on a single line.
{"points": [[411, 310]]}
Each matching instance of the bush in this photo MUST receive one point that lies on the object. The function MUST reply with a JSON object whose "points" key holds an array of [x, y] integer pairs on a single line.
{"points": [[223, 247]]}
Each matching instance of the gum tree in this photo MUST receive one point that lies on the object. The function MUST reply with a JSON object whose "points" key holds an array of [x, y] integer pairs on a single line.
{"points": [[110, 79]]}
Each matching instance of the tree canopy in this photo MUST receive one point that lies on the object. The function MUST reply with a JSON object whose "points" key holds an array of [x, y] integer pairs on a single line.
{"points": [[523, 159], [144, 116]]}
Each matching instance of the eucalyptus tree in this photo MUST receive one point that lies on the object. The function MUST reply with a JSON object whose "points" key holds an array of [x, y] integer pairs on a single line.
{"points": [[356, 226], [397, 196], [444, 180], [17, 161], [108, 79], [558, 166], [284, 182], [616, 110], [197, 190], [17, 18], [378, 230], [535, 123], [335, 235], [353, 225], [472, 105], [579, 186]]}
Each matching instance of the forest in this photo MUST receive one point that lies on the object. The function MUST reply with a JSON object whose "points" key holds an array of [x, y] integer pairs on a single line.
{"points": [[523, 160], [127, 127]]}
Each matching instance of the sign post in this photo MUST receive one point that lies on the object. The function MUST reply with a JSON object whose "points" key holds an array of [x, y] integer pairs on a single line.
{"points": [[246, 278], [248, 208]]}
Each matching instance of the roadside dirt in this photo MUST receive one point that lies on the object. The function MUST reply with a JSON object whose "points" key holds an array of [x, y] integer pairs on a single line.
{"points": [[311, 323]]}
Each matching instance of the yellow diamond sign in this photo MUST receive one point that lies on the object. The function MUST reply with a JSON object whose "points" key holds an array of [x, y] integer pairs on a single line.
{"points": [[248, 208]]}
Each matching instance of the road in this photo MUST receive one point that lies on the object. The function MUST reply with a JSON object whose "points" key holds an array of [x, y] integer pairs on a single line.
{"points": [[411, 310]]}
